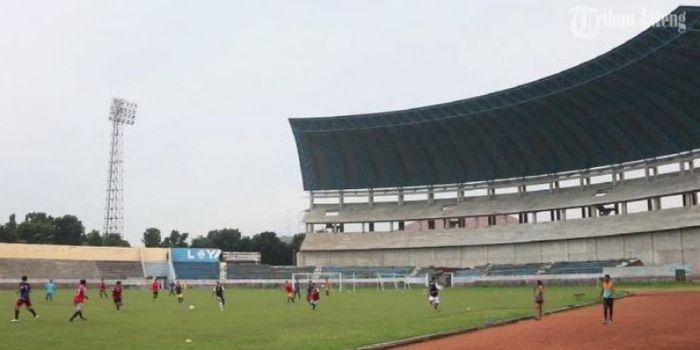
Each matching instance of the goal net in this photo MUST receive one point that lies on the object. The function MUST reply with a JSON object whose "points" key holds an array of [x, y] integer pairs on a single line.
{"points": [[393, 281], [333, 279]]}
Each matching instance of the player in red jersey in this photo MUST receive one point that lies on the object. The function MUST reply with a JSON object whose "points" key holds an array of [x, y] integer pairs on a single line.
{"points": [[289, 290], [103, 289], [117, 295], [315, 296], [155, 288], [24, 290], [79, 299]]}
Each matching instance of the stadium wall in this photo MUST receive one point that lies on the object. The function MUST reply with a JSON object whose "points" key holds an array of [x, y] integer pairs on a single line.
{"points": [[676, 246], [69, 252]]}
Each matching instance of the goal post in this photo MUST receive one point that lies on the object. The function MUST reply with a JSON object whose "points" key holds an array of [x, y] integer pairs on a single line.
{"points": [[335, 278], [398, 281]]}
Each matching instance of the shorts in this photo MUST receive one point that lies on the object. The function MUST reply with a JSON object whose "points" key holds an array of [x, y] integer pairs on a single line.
{"points": [[180, 296], [433, 299], [25, 302], [118, 301], [78, 306], [539, 301]]}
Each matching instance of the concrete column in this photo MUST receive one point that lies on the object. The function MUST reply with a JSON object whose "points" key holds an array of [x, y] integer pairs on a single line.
{"points": [[583, 213], [400, 195], [691, 165], [657, 203], [593, 211], [311, 199], [341, 199], [370, 198], [534, 217], [431, 196], [623, 206], [681, 167], [491, 192], [391, 226], [522, 189], [562, 214], [363, 227], [460, 194], [552, 215]]}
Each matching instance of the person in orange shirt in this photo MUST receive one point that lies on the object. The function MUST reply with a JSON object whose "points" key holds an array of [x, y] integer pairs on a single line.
{"points": [[327, 287], [607, 294], [289, 290]]}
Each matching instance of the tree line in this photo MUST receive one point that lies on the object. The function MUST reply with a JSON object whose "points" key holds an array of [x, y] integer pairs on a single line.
{"points": [[273, 250], [41, 228]]}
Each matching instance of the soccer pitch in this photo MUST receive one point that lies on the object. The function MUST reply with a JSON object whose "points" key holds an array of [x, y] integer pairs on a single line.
{"points": [[261, 319]]}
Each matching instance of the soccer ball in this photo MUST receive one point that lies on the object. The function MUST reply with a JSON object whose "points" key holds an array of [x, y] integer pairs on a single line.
{"points": [[191, 307]]}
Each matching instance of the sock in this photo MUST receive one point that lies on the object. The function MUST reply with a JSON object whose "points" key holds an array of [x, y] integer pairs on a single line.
{"points": [[80, 313], [74, 315], [32, 311], [16, 314]]}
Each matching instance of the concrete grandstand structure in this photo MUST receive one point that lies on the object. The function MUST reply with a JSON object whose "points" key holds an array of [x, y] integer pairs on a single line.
{"points": [[598, 162]]}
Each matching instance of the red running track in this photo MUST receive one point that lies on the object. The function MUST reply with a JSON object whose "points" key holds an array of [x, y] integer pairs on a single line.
{"points": [[643, 321]]}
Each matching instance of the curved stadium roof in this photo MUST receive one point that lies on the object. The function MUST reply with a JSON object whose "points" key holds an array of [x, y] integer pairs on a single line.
{"points": [[638, 101]]}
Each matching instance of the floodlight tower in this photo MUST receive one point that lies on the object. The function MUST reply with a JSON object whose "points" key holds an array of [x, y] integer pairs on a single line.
{"points": [[122, 112]]}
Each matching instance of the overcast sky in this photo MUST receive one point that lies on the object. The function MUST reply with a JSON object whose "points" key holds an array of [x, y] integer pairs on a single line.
{"points": [[216, 81]]}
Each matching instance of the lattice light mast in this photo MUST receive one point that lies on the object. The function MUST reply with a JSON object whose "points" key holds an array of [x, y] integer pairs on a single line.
{"points": [[122, 112]]}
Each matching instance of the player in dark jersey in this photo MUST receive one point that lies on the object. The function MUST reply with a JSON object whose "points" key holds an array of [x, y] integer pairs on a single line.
{"points": [[433, 293], [117, 295], [219, 292], [297, 289], [178, 293], [309, 288], [24, 290]]}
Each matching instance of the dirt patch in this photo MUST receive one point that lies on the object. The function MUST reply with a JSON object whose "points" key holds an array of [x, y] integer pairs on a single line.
{"points": [[643, 321]]}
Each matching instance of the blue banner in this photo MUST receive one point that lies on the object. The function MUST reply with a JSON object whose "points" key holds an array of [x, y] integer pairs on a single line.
{"points": [[197, 255]]}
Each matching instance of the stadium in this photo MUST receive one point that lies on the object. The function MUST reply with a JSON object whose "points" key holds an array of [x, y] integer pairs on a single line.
{"points": [[481, 206], [593, 164]]}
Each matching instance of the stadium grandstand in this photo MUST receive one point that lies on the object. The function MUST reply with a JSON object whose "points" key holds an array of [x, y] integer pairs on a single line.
{"points": [[576, 172]]}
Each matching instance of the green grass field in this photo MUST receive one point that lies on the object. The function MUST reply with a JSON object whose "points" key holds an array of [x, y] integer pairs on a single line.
{"points": [[260, 319]]}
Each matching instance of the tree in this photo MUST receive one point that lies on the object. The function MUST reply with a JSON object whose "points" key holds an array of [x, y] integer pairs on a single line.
{"points": [[93, 238], [151, 237], [8, 232], [175, 240], [114, 240], [202, 242], [36, 228], [67, 230], [272, 250], [297, 240]]}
